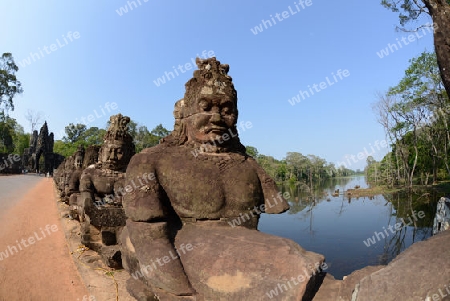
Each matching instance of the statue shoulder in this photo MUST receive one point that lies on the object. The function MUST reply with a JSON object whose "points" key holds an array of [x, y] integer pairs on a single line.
{"points": [[153, 150], [150, 155]]}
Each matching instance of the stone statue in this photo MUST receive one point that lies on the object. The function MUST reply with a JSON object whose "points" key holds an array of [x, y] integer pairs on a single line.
{"points": [[91, 155], [68, 174], [62, 176], [44, 147], [41, 145], [73, 182], [191, 219], [82, 160], [101, 191]]}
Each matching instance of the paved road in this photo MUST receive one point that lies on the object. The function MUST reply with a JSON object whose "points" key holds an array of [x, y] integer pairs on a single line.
{"points": [[13, 188]]}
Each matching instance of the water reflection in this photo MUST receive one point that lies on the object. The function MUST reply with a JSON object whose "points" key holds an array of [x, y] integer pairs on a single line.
{"points": [[352, 232]]}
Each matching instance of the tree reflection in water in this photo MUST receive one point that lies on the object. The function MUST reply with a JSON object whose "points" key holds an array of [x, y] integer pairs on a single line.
{"points": [[336, 225]]}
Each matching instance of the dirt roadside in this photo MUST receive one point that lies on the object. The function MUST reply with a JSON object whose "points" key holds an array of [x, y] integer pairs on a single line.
{"points": [[41, 258], [41, 270]]}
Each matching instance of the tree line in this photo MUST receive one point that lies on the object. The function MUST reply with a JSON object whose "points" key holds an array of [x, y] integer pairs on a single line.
{"points": [[78, 134], [297, 168], [415, 117]]}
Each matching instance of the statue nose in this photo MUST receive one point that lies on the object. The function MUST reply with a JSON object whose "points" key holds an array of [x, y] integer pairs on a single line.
{"points": [[215, 117]]}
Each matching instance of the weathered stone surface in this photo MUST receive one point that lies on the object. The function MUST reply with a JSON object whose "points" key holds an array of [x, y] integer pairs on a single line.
{"points": [[329, 289], [68, 175], [10, 163], [158, 264], [41, 145], [421, 271], [29, 154], [442, 219], [225, 263], [112, 256], [102, 216], [62, 176], [102, 189], [142, 293], [350, 281], [341, 290], [74, 211], [199, 176], [91, 155]]}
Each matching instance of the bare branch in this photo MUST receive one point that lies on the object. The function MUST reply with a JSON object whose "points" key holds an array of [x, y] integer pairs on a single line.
{"points": [[34, 118]]}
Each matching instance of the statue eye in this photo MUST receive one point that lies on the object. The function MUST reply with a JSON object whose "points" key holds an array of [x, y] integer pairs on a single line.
{"points": [[227, 110], [204, 105]]}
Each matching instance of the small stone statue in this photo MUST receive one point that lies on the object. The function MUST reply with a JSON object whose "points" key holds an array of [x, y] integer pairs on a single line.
{"points": [[82, 159], [101, 189], [62, 176]]}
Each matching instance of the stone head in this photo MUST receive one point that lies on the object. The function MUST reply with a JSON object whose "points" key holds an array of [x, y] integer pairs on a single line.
{"points": [[91, 155], [118, 147], [69, 163], [208, 112], [78, 157]]}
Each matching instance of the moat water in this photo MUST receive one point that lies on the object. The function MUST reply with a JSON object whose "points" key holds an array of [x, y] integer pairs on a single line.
{"points": [[352, 232]]}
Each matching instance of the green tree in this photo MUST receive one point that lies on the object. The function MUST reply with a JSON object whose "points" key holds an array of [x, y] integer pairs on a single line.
{"points": [[132, 128], [160, 131], [144, 138], [65, 149], [74, 132], [77, 135], [21, 141], [439, 11], [420, 114], [6, 136], [9, 85], [281, 171], [10, 135], [252, 151], [414, 114], [93, 135]]}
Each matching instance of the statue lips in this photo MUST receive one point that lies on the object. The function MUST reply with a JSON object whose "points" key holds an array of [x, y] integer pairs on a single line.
{"points": [[216, 130], [111, 163]]}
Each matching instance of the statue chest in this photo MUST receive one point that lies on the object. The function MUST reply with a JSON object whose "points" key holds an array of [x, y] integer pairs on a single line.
{"points": [[210, 188], [104, 183]]}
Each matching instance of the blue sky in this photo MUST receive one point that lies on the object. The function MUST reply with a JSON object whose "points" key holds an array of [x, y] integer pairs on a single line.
{"points": [[93, 58]]}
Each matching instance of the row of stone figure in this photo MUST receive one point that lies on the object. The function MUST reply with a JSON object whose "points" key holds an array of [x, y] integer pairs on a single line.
{"points": [[88, 181], [183, 225]]}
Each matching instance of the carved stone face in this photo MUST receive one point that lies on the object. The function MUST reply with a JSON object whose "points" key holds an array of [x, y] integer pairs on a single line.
{"points": [[78, 161], [68, 164], [216, 116], [114, 156]]}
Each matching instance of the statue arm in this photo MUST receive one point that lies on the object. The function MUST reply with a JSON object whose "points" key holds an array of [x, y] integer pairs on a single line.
{"points": [[273, 199], [86, 190], [146, 237], [143, 202], [74, 182]]}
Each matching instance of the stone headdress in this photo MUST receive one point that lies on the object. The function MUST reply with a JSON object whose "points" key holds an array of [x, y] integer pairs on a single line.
{"points": [[118, 130], [79, 152], [118, 134]]}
